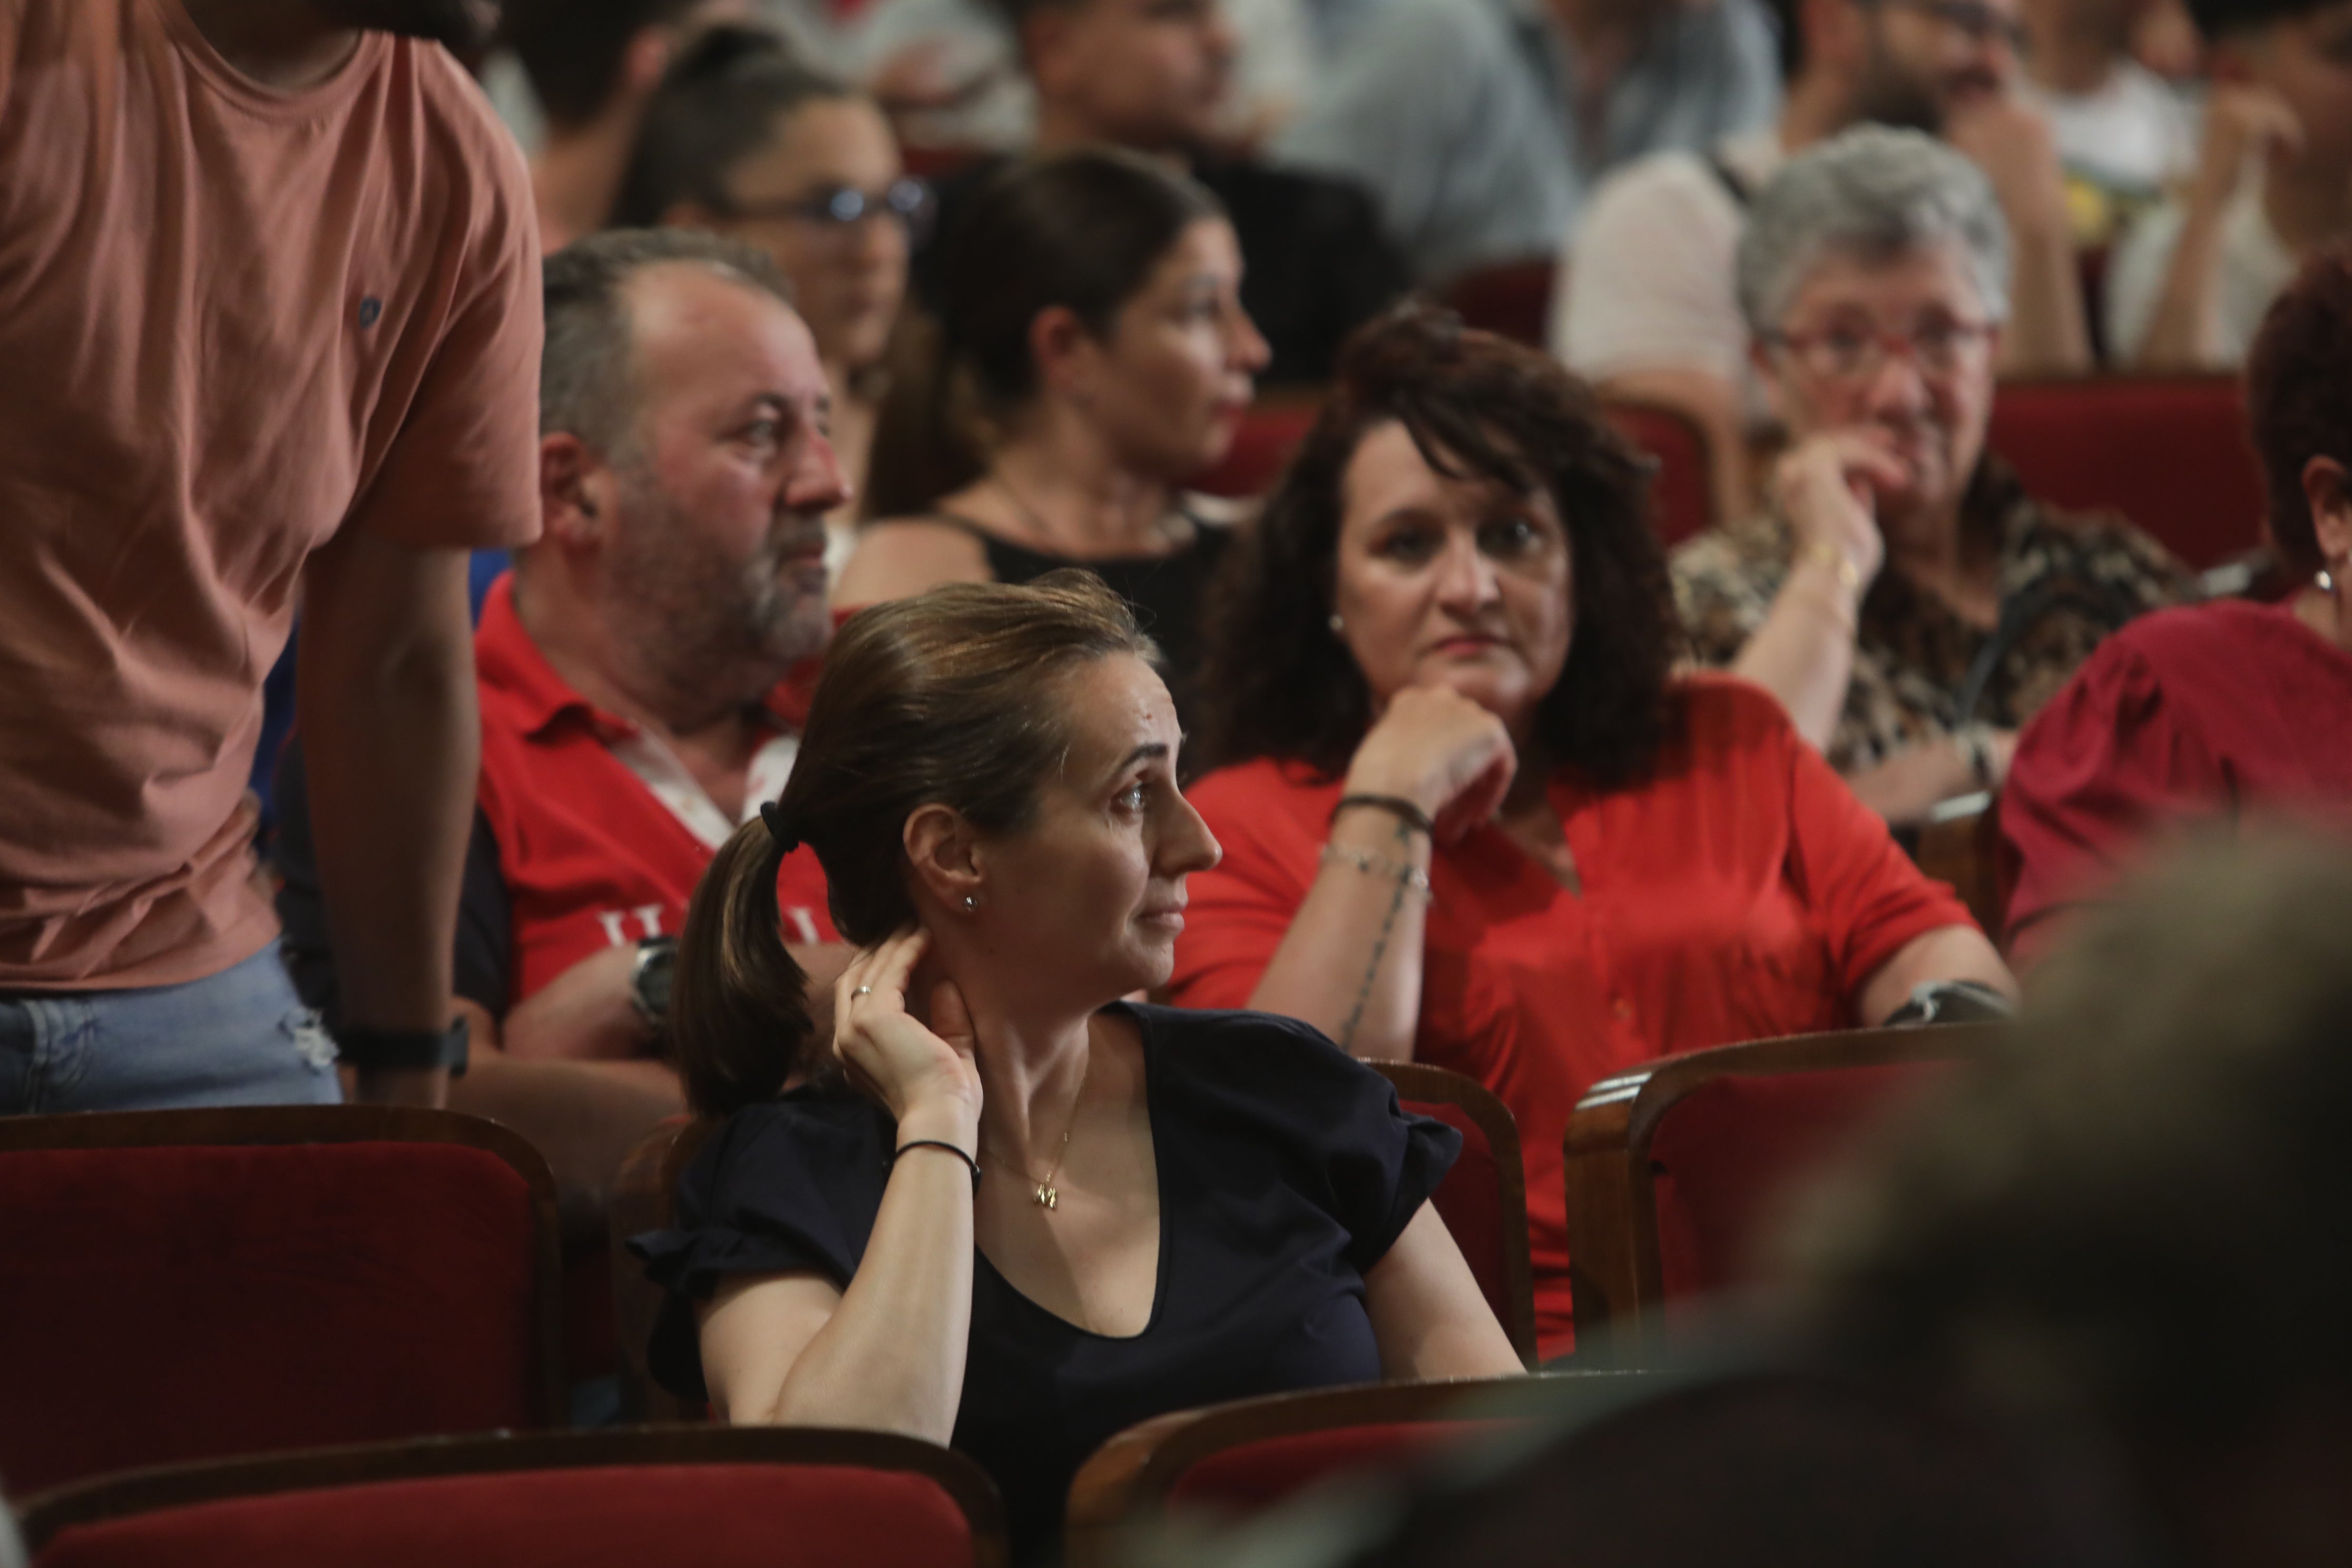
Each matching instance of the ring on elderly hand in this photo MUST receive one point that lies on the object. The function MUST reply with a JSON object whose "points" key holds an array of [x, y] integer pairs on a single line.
{"points": [[863, 991]]}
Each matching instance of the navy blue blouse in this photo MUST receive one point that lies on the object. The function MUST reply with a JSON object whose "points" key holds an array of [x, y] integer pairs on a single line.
{"points": [[1286, 1169]]}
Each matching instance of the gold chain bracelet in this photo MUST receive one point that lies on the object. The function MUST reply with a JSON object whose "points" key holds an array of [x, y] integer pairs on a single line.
{"points": [[1412, 877]]}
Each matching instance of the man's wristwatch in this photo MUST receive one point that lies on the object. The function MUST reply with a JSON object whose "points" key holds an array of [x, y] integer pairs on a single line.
{"points": [[649, 980]]}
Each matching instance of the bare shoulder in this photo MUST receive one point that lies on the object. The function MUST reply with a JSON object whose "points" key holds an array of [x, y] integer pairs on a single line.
{"points": [[897, 557]]}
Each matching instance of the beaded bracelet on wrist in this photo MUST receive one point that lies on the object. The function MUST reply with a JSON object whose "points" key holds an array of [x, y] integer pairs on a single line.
{"points": [[1821, 553], [1415, 878], [1396, 806]]}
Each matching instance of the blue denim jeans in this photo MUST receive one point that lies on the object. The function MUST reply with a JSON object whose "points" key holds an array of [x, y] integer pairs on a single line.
{"points": [[239, 1037]]}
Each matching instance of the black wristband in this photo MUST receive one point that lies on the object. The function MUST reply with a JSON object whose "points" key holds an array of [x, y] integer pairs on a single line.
{"points": [[650, 981], [1396, 806], [395, 1050], [940, 1144]]}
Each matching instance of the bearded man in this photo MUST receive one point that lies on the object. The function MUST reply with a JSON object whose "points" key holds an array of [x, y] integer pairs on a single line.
{"points": [[635, 709], [268, 284]]}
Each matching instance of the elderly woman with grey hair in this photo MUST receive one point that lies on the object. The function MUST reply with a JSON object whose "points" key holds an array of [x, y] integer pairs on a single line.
{"points": [[1905, 600]]}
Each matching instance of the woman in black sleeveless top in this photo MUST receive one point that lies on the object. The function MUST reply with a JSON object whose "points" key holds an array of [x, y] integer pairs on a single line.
{"points": [[1091, 354]]}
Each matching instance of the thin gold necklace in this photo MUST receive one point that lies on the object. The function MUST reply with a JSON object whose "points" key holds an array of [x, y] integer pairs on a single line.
{"points": [[1166, 528], [1046, 1195]]}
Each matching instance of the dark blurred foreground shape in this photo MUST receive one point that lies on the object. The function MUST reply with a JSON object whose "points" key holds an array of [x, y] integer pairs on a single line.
{"points": [[2084, 1305]]}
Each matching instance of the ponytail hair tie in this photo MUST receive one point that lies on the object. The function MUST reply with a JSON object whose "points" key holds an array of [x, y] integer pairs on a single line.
{"points": [[773, 815]]}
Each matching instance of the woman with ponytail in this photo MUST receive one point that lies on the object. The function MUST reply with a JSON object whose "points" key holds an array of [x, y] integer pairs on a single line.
{"points": [[1001, 1207], [1091, 355]]}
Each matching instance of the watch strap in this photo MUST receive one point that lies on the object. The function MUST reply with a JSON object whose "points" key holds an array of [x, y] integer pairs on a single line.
{"points": [[405, 1049], [650, 981]]}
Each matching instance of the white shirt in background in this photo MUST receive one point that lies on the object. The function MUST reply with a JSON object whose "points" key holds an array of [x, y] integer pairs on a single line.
{"points": [[1649, 285], [2255, 266], [2135, 134]]}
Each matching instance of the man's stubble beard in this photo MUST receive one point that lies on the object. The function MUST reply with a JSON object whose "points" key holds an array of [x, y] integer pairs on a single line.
{"points": [[718, 634]]}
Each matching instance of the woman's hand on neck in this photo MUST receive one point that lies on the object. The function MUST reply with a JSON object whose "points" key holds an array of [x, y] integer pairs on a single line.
{"points": [[1031, 1055]]}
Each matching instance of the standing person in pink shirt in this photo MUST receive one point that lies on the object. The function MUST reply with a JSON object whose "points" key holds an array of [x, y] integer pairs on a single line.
{"points": [[268, 305]]}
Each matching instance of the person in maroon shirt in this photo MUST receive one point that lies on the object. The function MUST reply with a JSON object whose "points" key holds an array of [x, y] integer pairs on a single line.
{"points": [[2221, 710], [636, 706]]}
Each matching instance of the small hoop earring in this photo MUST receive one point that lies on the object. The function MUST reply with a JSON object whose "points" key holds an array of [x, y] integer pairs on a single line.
{"points": [[971, 903], [1338, 626]]}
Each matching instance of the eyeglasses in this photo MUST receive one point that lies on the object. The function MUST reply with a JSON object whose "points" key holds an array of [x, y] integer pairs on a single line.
{"points": [[840, 208], [1855, 353], [1979, 21]]}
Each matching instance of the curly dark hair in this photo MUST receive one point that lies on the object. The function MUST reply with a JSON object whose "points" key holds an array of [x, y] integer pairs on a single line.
{"points": [[1276, 683], [2299, 396]]}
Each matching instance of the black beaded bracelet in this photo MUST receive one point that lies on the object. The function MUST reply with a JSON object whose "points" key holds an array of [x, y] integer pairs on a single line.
{"points": [[1395, 806], [940, 1144]]}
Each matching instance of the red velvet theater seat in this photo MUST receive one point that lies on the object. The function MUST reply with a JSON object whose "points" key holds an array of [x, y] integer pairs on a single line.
{"points": [[2170, 453], [645, 1195], [1510, 297], [1239, 1458], [1672, 1167], [749, 1499], [1268, 433], [192, 1284], [1484, 1199], [1682, 490]]}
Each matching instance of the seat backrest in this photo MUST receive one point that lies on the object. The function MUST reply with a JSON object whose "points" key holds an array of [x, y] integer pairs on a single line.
{"points": [[644, 1197], [1726, 1153], [1268, 433], [185, 1285], [714, 1498], [1963, 846], [2170, 453], [1484, 1198], [1671, 1167], [1512, 299], [1237, 1458], [1682, 491]]}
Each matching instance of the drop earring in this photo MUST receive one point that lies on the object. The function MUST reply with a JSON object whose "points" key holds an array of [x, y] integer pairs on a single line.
{"points": [[1338, 626]]}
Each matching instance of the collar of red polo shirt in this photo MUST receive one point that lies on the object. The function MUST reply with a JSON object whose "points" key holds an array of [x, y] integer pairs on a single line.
{"points": [[506, 658]]}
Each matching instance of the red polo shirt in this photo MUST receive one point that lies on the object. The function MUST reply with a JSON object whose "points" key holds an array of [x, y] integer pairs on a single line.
{"points": [[1742, 892], [591, 857]]}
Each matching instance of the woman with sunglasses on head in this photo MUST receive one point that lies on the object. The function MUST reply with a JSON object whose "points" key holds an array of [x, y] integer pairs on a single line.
{"points": [[1006, 1209], [744, 140], [1091, 355], [1901, 595]]}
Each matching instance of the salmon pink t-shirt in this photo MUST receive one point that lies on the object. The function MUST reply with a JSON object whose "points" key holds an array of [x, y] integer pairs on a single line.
{"points": [[1741, 893], [233, 321]]}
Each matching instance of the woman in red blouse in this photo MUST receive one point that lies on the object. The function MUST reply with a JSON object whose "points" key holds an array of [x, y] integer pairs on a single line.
{"points": [[1471, 816], [2220, 710]]}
